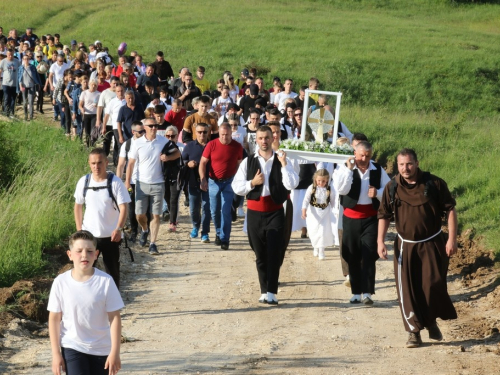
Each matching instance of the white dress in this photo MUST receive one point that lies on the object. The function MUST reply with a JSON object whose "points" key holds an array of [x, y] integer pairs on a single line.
{"points": [[319, 221]]}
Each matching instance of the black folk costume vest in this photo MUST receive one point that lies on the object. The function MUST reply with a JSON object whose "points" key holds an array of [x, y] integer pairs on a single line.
{"points": [[279, 193], [351, 199]]}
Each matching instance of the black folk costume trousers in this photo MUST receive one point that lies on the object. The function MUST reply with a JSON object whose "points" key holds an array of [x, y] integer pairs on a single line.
{"points": [[266, 236], [359, 249]]}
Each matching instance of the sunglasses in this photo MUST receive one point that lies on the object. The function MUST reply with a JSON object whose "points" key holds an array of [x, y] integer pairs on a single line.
{"points": [[202, 132], [170, 136], [298, 115], [153, 126], [139, 131]]}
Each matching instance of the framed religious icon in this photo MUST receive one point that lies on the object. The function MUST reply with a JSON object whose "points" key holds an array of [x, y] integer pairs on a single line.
{"points": [[321, 123]]}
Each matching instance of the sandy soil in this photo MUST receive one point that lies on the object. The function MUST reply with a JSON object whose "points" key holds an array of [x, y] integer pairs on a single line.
{"points": [[194, 309]]}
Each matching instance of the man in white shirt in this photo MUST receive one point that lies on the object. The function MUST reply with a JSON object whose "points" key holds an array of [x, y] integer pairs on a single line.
{"points": [[266, 179], [106, 200], [56, 71], [137, 132], [107, 128], [279, 99], [111, 116], [150, 183], [360, 185]]}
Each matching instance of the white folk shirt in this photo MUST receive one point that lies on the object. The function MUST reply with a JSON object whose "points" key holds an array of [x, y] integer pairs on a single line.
{"points": [[242, 187], [343, 181]]}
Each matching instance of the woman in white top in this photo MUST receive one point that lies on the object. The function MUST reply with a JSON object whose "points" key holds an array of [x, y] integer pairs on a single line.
{"points": [[88, 108], [233, 89]]}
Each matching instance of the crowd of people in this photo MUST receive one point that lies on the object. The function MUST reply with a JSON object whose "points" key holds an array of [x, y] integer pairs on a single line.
{"points": [[218, 143]]}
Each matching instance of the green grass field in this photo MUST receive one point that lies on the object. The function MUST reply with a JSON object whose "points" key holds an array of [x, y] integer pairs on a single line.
{"points": [[421, 74]]}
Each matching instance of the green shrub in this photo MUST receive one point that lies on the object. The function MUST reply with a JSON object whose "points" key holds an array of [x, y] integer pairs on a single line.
{"points": [[37, 208]]}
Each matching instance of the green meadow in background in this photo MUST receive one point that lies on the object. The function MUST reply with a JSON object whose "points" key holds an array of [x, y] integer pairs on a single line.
{"points": [[420, 74]]}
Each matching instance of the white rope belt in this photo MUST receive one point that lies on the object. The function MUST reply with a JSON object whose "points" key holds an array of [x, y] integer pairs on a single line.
{"points": [[400, 260]]}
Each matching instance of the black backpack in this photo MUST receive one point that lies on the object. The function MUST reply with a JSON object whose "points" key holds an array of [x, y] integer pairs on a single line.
{"points": [[86, 187]]}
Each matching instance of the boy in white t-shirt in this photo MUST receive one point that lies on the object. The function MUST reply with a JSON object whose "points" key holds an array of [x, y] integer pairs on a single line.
{"points": [[84, 318]]}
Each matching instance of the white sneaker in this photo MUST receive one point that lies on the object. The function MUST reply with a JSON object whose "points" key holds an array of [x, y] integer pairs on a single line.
{"points": [[321, 254], [356, 298], [315, 252], [241, 212]]}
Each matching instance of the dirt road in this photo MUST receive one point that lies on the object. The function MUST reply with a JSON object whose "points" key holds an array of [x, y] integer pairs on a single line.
{"points": [[194, 309]]}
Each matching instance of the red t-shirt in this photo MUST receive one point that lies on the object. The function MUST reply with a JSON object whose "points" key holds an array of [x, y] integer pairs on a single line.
{"points": [[103, 86], [223, 158], [176, 118]]}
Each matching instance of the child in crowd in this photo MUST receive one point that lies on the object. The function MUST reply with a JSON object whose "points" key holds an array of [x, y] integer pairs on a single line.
{"points": [[317, 211], [84, 319]]}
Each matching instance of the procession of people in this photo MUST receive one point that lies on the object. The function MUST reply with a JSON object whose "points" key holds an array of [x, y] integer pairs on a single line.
{"points": [[176, 137]]}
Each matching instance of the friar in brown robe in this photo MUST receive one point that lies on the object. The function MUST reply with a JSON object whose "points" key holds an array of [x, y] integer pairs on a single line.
{"points": [[418, 200]]}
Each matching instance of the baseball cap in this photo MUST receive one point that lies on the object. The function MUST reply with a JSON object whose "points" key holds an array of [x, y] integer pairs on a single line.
{"points": [[245, 72], [233, 106], [73, 42]]}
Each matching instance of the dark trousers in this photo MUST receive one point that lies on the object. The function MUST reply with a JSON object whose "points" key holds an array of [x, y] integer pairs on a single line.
{"points": [[172, 194], [359, 249], [88, 124], [107, 139], [65, 113], [265, 235], [116, 148], [78, 363], [39, 100], [343, 263], [9, 99], [111, 256]]}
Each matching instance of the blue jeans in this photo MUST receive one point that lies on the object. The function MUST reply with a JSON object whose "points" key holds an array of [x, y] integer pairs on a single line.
{"points": [[199, 200], [221, 198], [9, 99], [78, 363]]}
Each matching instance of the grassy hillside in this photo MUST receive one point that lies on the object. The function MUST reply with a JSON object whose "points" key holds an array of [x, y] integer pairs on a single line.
{"points": [[422, 74]]}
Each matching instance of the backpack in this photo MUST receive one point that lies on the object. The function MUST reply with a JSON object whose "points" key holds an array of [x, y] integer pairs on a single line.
{"points": [[108, 186], [430, 189]]}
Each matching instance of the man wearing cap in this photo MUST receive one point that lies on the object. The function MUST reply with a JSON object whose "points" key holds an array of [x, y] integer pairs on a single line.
{"points": [[73, 48], [243, 77], [9, 67], [162, 68], [200, 81], [202, 116], [38, 63], [231, 108], [248, 101]]}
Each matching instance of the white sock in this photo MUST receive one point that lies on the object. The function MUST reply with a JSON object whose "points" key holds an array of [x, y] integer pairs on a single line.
{"points": [[271, 296], [356, 296], [151, 243], [347, 277], [145, 231]]}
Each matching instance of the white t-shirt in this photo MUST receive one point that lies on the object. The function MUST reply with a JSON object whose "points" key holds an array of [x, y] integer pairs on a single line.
{"points": [[101, 215], [239, 135], [223, 103], [147, 157], [280, 98], [123, 154], [85, 307], [106, 96], [58, 71], [90, 100], [112, 109]]}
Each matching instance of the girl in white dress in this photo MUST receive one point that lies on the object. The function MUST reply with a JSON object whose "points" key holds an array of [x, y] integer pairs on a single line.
{"points": [[317, 211]]}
